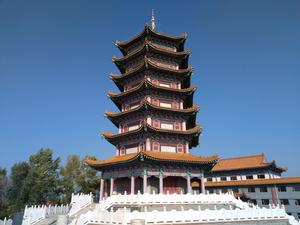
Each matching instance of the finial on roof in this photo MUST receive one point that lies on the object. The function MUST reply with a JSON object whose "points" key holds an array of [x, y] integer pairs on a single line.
{"points": [[153, 20]]}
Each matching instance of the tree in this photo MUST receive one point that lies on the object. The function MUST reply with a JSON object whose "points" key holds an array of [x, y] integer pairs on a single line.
{"points": [[18, 193], [43, 178], [77, 177], [3, 193], [70, 173], [88, 180]]}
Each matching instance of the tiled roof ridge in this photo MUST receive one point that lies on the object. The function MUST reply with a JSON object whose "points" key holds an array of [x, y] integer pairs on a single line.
{"points": [[243, 157]]}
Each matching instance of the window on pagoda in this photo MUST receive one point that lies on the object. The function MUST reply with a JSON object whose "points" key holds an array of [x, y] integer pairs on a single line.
{"points": [[130, 148], [131, 126], [180, 148], [156, 146], [167, 124], [166, 103], [167, 148]]}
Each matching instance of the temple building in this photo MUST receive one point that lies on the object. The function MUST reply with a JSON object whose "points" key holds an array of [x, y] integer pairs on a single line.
{"points": [[154, 179], [256, 180], [157, 120]]}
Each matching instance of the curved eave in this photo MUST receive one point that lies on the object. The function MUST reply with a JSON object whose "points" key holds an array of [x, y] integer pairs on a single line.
{"points": [[147, 64], [193, 133], [153, 156], [148, 31], [148, 47], [148, 85], [116, 117], [148, 105]]}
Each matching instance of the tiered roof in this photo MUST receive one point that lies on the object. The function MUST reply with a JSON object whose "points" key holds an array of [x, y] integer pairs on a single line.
{"points": [[147, 48], [118, 98], [147, 64]]}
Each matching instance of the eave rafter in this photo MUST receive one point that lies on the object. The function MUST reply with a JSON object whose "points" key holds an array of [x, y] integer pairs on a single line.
{"points": [[147, 47], [117, 98], [147, 106], [146, 65], [191, 134]]}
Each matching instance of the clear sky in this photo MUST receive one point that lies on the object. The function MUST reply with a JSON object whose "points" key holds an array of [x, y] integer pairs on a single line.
{"points": [[55, 57]]}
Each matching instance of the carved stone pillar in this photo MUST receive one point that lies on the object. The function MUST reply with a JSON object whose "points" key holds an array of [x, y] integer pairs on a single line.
{"points": [[111, 186], [145, 189], [101, 189], [132, 185], [161, 184], [188, 184], [202, 182]]}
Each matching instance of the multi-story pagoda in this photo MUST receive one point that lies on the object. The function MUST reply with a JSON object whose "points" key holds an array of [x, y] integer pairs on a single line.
{"points": [[157, 120], [156, 131]]}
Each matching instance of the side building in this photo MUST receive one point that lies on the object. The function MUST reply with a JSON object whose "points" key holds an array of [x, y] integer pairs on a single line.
{"points": [[254, 179]]}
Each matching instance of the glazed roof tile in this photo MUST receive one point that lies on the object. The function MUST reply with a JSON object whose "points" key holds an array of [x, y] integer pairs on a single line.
{"points": [[161, 156], [244, 162]]}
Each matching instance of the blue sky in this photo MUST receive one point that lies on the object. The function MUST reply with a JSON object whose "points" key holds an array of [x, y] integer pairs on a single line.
{"points": [[55, 57]]}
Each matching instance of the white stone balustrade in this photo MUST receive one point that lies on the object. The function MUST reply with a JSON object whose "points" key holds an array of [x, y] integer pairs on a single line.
{"points": [[166, 199], [124, 216], [6, 221], [34, 214], [79, 202]]}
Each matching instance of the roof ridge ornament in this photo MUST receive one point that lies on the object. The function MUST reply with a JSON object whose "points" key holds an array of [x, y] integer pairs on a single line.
{"points": [[153, 20]]}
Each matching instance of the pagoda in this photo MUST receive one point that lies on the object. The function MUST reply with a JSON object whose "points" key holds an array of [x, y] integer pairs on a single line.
{"points": [[156, 122], [153, 179]]}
